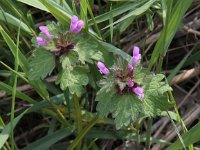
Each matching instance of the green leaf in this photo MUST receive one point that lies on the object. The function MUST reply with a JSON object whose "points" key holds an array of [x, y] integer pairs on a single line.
{"points": [[34, 3], [190, 137], [105, 103], [69, 60], [19, 94], [156, 98], [6, 131], [117, 11], [48, 140], [14, 21], [74, 80], [127, 107], [169, 30], [4, 135], [88, 49], [41, 65], [22, 59], [135, 12], [63, 15]]}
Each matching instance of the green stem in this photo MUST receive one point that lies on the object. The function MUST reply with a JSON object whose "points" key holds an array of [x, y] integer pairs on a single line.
{"points": [[14, 71], [78, 117], [61, 116], [3, 125], [67, 100], [148, 136], [14, 92], [138, 135], [184, 128], [82, 133]]}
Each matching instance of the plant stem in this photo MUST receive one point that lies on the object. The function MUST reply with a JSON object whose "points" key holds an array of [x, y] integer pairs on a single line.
{"points": [[138, 135], [82, 133], [62, 117], [78, 117], [14, 92], [148, 136]]}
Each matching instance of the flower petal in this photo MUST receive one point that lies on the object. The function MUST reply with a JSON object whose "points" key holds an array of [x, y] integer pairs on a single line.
{"points": [[45, 31], [41, 41], [139, 91]]}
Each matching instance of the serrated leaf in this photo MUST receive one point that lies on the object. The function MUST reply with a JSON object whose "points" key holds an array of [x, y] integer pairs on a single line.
{"points": [[140, 74], [74, 80], [106, 102], [41, 65], [69, 60], [156, 98], [88, 49], [128, 109]]}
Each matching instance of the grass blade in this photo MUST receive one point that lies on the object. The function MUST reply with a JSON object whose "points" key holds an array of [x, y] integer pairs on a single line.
{"points": [[22, 59], [8, 18], [191, 137], [14, 91], [47, 141], [169, 31]]}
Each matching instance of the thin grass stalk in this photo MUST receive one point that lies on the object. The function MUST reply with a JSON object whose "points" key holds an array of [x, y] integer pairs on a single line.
{"points": [[3, 124], [82, 133], [138, 135], [14, 71], [178, 133], [66, 96], [78, 119], [74, 7], [93, 19], [148, 136], [61, 116], [14, 91]]}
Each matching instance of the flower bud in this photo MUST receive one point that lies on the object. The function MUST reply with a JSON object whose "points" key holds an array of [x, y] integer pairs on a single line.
{"points": [[41, 41], [102, 68], [139, 91], [136, 56], [76, 25], [45, 31]]}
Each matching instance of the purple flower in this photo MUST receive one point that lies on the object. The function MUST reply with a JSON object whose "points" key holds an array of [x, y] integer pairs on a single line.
{"points": [[45, 31], [76, 25], [102, 68], [130, 69], [41, 41], [139, 91], [130, 84], [136, 56]]}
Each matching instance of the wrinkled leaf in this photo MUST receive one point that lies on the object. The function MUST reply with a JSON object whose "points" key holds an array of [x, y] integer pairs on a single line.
{"points": [[74, 80], [41, 65]]}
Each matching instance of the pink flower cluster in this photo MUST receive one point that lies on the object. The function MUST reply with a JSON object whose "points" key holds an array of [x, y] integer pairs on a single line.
{"points": [[75, 27], [135, 60]]}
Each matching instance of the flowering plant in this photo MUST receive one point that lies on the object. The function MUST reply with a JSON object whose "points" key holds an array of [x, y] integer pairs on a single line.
{"points": [[129, 92], [69, 49]]}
